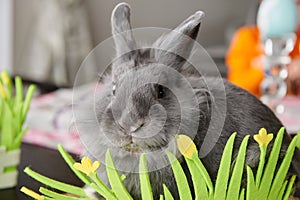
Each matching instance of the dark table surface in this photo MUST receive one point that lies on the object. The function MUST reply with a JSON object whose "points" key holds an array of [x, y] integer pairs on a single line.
{"points": [[45, 161]]}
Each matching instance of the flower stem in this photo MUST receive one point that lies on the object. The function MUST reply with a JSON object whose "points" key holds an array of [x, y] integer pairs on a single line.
{"points": [[263, 150], [103, 189]]}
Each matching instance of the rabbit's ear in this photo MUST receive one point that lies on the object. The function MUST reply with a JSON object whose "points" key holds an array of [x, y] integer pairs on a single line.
{"points": [[121, 31], [175, 47]]}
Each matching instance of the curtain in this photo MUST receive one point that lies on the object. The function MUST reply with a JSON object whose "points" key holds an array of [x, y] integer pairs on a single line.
{"points": [[59, 42]]}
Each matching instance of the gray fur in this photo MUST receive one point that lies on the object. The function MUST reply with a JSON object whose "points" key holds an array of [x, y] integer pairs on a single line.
{"points": [[133, 112]]}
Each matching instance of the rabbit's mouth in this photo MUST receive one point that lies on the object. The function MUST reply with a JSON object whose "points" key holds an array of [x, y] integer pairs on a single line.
{"points": [[140, 146], [133, 148], [137, 147]]}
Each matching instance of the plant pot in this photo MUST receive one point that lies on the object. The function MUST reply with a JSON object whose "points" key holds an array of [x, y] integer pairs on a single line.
{"points": [[8, 167]]}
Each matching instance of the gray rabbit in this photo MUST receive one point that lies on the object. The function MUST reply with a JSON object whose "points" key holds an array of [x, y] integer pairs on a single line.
{"points": [[149, 96]]}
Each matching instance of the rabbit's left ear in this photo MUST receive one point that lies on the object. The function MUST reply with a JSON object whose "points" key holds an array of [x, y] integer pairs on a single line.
{"points": [[175, 47], [121, 31]]}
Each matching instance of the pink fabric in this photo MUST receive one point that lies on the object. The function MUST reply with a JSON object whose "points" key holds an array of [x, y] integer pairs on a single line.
{"points": [[50, 117], [70, 141], [291, 116]]}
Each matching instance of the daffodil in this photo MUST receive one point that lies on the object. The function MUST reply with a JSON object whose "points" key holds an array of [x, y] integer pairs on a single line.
{"points": [[262, 138], [86, 166], [31, 193], [186, 146]]}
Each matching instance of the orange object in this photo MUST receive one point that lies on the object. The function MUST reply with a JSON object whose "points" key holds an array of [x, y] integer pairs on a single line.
{"points": [[245, 67], [296, 52]]}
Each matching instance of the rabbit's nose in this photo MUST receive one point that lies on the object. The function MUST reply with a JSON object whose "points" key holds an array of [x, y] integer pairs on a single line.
{"points": [[129, 125]]}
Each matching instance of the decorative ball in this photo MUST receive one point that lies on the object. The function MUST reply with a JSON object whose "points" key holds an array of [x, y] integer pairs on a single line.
{"points": [[277, 18]]}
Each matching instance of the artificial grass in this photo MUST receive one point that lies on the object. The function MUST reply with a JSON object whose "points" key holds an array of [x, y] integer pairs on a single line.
{"points": [[266, 184]]}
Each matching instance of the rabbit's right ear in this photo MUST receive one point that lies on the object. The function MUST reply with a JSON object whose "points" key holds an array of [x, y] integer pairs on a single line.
{"points": [[121, 31], [175, 47]]}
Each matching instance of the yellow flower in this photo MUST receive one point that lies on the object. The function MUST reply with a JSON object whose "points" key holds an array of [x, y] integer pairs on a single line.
{"points": [[2, 91], [262, 138], [5, 78], [31, 193], [86, 166], [186, 146]]}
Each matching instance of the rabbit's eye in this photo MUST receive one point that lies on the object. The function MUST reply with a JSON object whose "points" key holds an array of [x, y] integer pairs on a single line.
{"points": [[114, 89], [161, 92]]}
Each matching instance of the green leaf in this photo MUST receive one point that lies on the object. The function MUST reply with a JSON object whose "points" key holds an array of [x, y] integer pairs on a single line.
{"points": [[236, 179], [298, 140], [56, 195], [168, 195], [114, 179], [262, 158], [18, 140], [7, 132], [204, 174], [78, 191], [19, 90], [145, 185], [283, 170], [224, 170], [289, 188], [17, 117], [281, 191], [200, 187], [48, 198], [269, 170], [27, 101], [106, 193], [252, 191], [1, 118], [70, 161], [100, 187], [33, 194], [123, 177], [181, 180], [242, 195]]}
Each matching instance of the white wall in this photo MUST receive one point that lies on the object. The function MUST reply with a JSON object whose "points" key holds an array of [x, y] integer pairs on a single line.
{"points": [[25, 14], [220, 14], [6, 34]]}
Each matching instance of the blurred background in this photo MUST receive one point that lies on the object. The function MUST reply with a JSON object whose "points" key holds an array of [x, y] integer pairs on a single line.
{"points": [[45, 41]]}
